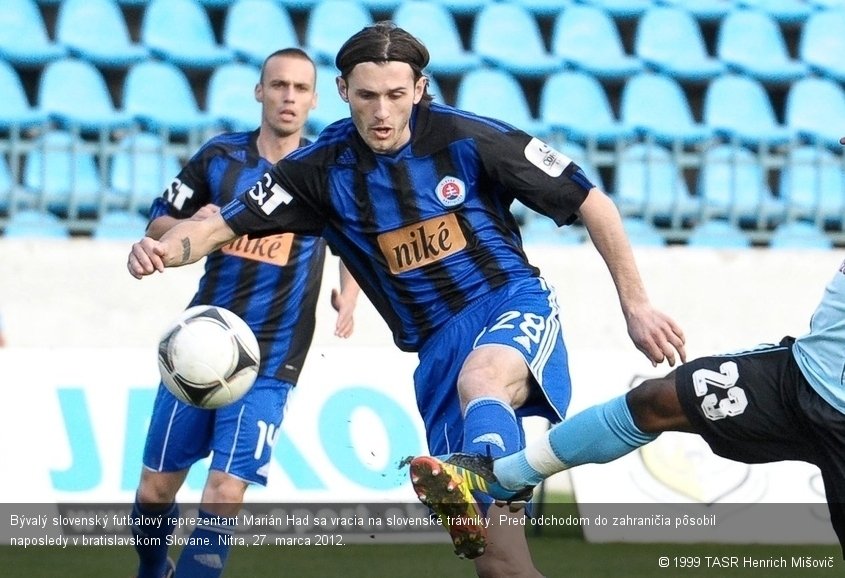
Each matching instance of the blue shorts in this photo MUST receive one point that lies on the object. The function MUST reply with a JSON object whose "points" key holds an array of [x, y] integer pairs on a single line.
{"points": [[240, 436], [523, 315]]}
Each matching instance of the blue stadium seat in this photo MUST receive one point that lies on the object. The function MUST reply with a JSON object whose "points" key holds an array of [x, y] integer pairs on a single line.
{"points": [[216, 4], [140, 170], [435, 26], [702, 10], [16, 111], [253, 27], [739, 109], [496, 93], [621, 9], [381, 6], [34, 224], [330, 107], [544, 8], [330, 24], [298, 6], [641, 233], [120, 226], [158, 95], [23, 35], [815, 108], [582, 158], [669, 40], [575, 104], [180, 32], [718, 234], [649, 184], [656, 105], [732, 185], [96, 31], [751, 42], [507, 36], [799, 235], [463, 7], [822, 43], [231, 96], [7, 188], [812, 185], [826, 4], [541, 230], [587, 38], [75, 95], [63, 175], [785, 12]]}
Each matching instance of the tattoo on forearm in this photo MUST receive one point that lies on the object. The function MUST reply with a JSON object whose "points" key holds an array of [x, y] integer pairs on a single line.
{"points": [[186, 250]]}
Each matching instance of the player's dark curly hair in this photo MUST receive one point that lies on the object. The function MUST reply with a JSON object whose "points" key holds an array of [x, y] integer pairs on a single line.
{"points": [[383, 42]]}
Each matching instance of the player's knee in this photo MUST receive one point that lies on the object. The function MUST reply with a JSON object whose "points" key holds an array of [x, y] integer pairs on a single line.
{"points": [[224, 489], [153, 492], [655, 407]]}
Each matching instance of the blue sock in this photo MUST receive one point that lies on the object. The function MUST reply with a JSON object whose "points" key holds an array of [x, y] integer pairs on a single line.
{"points": [[159, 524], [201, 561], [491, 427], [597, 435]]}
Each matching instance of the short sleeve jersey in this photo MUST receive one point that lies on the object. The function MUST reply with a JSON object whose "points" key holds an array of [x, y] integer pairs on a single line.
{"points": [[426, 230], [273, 282], [821, 353]]}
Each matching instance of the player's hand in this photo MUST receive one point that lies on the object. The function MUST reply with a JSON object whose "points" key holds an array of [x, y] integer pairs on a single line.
{"points": [[656, 335], [145, 258], [205, 211], [345, 319]]}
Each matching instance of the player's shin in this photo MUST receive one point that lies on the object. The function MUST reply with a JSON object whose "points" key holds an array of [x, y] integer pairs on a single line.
{"points": [[207, 548], [150, 529]]}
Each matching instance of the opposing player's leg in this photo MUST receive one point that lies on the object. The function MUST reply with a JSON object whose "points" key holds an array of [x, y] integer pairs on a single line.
{"points": [[244, 434]]}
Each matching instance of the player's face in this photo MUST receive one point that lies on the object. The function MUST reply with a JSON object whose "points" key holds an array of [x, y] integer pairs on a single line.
{"points": [[381, 97], [286, 94]]}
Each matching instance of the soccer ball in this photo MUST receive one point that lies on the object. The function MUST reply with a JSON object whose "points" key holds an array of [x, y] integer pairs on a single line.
{"points": [[208, 357]]}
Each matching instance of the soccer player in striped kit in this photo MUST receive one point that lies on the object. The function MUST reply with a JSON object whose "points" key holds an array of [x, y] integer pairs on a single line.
{"points": [[414, 196], [273, 284]]}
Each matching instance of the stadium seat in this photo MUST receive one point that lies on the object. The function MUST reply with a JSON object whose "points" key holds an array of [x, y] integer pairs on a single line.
{"points": [[732, 185], [718, 234], [826, 4], [216, 4], [180, 32], [140, 170], [463, 7], [669, 40], [641, 233], [586, 37], [435, 26], [330, 107], [23, 36], [582, 158], [497, 94], [173, 110], [812, 185], [96, 31], [738, 109], [656, 105], [822, 43], [507, 36], [785, 12], [63, 175], [750, 42], [541, 230], [381, 6], [544, 8], [621, 9], [231, 96], [75, 95], [252, 27], [815, 108], [576, 105], [702, 10], [120, 225], [799, 235], [16, 113], [326, 31], [29, 224], [7, 188], [649, 184], [298, 6]]}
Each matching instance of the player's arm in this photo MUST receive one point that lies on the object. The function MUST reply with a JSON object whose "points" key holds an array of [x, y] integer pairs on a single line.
{"points": [[344, 301], [654, 333], [160, 225], [187, 242]]}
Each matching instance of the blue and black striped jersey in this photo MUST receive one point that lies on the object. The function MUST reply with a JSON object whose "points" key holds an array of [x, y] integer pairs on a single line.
{"points": [[272, 282], [426, 230]]}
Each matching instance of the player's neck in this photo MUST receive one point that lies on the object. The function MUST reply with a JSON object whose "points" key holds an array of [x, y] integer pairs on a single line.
{"points": [[274, 148]]}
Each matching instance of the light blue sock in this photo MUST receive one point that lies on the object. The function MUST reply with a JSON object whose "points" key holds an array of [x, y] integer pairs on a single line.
{"points": [[491, 427], [160, 524], [201, 561], [597, 435]]}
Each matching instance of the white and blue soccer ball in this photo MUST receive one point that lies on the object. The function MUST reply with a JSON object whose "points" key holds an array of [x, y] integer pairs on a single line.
{"points": [[208, 357]]}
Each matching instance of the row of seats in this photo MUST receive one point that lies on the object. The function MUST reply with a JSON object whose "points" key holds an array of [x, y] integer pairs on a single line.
{"points": [[504, 34]]}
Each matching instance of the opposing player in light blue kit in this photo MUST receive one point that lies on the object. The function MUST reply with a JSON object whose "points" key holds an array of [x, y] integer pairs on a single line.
{"points": [[767, 404]]}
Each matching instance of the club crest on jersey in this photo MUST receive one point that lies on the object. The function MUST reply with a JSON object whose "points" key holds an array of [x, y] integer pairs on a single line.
{"points": [[546, 158], [269, 194], [451, 191]]}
